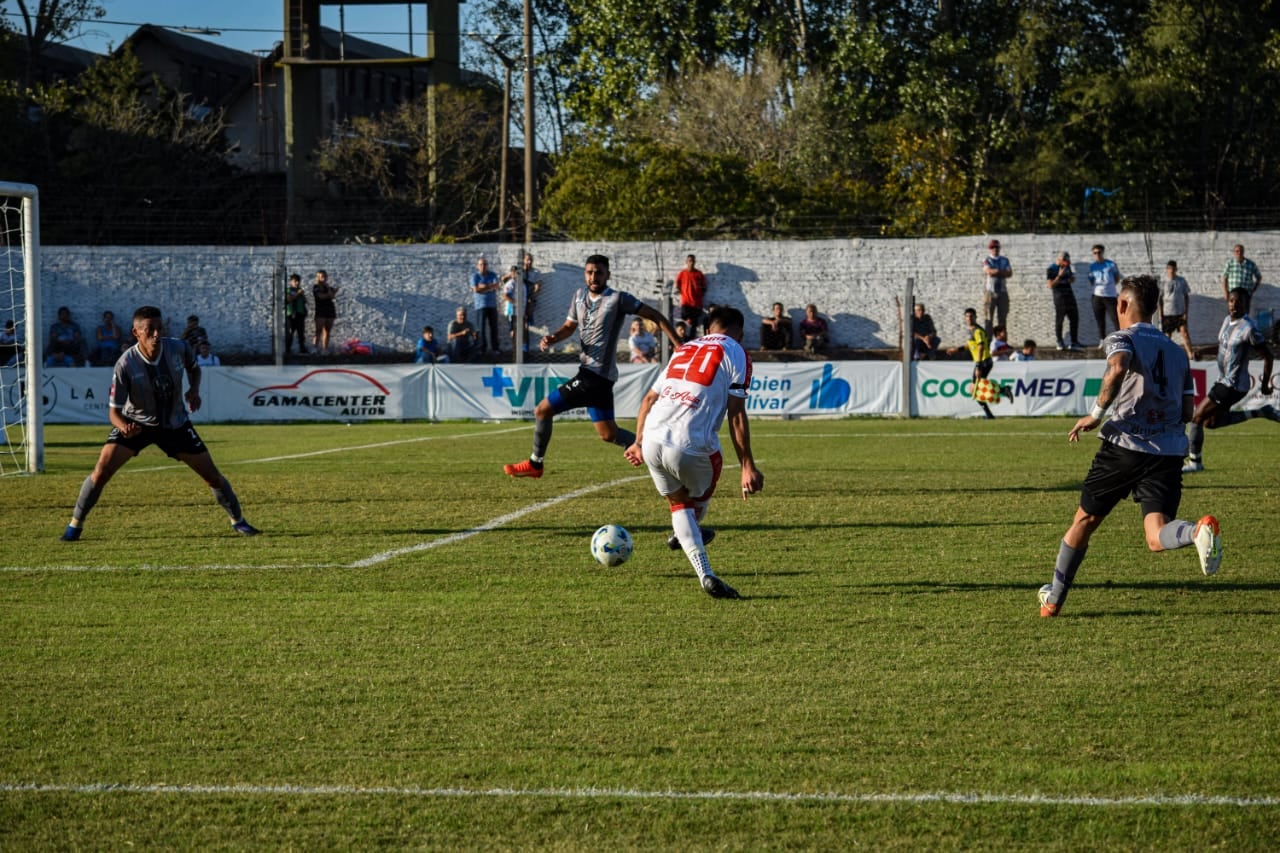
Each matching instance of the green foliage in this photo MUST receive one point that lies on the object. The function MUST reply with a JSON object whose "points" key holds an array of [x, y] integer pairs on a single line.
{"points": [[440, 160], [487, 685]]}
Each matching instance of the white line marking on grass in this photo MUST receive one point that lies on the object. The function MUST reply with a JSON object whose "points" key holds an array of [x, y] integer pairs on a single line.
{"points": [[946, 797], [491, 524], [344, 449]]}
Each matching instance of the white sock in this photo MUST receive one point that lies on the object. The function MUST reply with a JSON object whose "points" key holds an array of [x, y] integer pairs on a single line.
{"points": [[690, 537]]}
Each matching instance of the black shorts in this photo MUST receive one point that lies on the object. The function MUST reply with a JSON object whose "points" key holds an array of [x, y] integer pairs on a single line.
{"points": [[1171, 323], [1154, 481], [181, 440], [1225, 396], [588, 389]]}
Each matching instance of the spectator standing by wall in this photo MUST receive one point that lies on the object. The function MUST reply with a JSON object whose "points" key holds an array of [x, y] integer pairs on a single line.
{"points": [[194, 333], [326, 296], [996, 270], [692, 286], [1104, 275], [484, 299], [1175, 302], [295, 315], [1060, 278], [1240, 272]]}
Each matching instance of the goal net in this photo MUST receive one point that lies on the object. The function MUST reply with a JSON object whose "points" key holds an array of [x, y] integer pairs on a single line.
{"points": [[21, 336]]}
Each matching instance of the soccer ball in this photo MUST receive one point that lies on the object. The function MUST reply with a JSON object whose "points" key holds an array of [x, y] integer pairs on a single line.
{"points": [[1044, 593], [611, 545]]}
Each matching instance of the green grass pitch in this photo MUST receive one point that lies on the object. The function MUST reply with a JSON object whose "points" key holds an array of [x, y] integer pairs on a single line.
{"points": [[419, 652]]}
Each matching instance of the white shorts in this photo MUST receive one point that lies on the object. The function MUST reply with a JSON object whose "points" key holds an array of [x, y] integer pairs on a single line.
{"points": [[673, 468]]}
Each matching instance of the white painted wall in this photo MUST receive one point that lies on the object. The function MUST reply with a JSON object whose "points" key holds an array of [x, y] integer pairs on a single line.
{"points": [[390, 292]]}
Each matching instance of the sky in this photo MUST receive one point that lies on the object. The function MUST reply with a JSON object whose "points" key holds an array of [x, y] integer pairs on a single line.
{"points": [[247, 25]]}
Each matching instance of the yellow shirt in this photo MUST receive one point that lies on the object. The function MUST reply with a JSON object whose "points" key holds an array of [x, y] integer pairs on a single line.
{"points": [[979, 345]]}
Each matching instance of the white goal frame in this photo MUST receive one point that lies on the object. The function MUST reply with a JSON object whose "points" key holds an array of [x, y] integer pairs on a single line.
{"points": [[29, 370]]}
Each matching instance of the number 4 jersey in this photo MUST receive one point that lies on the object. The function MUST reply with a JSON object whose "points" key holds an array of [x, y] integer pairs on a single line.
{"points": [[693, 393], [1146, 415]]}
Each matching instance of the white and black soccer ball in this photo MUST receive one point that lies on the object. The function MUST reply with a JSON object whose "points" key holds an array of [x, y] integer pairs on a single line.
{"points": [[611, 545]]}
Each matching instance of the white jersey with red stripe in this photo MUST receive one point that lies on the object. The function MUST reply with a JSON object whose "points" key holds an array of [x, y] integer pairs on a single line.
{"points": [[693, 393]]}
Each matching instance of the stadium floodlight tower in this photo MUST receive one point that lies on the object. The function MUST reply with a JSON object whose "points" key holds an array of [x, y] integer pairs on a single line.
{"points": [[21, 398]]}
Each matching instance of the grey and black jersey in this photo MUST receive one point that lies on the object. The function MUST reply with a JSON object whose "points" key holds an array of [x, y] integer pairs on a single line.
{"points": [[600, 322], [1146, 415], [150, 393], [1236, 341]]}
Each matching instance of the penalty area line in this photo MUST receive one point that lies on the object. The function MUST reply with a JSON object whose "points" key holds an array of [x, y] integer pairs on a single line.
{"points": [[943, 797]]}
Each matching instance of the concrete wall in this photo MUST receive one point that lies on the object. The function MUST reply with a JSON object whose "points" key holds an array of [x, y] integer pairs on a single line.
{"points": [[389, 292]]}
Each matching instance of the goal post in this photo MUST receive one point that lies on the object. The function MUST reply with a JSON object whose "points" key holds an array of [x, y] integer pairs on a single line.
{"points": [[21, 359]]}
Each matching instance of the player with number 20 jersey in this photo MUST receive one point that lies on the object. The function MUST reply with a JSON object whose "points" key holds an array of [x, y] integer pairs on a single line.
{"points": [[677, 434]]}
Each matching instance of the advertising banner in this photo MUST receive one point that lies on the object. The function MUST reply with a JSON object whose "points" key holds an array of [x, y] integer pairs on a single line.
{"points": [[355, 393]]}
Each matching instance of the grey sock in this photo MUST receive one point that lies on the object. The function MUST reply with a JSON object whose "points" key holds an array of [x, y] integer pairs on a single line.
{"points": [[89, 494], [1176, 534], [227, 499], [1064, 571], [541, 437], [1195, 432]]}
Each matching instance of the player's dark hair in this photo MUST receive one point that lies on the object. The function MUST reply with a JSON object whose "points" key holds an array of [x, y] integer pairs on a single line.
{"points": [[599, 260], [147, 312], [1145, 290], [726, 318], [1243, 293]]}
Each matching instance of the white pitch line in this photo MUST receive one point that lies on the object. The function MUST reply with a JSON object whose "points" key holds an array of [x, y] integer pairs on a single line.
{"points": [[491, 524], [945, 797], [331, 450]]}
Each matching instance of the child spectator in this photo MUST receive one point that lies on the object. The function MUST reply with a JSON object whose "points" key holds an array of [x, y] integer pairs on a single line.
{"points": [[644, 346], [428, 348], [1001, 349], [205, 356], [1027, 353], [814, 330]]}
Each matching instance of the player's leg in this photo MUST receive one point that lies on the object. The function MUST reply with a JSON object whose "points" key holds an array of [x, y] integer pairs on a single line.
{"points": [[186, 446], [1186, 339], [114, 455], [1159, 493], [676, 474], [1109, 480]]}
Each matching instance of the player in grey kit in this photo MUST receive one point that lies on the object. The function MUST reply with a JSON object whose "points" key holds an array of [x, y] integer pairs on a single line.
{"points": [[1238, 339], [1147, 391], [147, 407], [598, 313]]}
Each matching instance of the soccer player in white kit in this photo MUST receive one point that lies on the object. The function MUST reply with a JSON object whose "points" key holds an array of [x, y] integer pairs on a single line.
{"points": [[677, 433]]}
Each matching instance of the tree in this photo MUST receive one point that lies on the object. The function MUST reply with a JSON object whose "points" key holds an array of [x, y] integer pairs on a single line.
{"points": [[390, 158], [49, 21]]}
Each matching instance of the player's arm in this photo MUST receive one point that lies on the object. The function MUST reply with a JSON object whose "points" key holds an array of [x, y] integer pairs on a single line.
{"points": [[663, 323], [194, 374], [740, 435], [558, 335], [1117, 366], [635, 453]]}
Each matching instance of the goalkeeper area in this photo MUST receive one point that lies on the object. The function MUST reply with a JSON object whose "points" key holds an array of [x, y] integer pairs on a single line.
{"points": [[419, 651], [21, 340]]}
